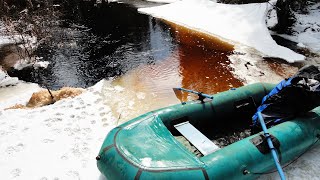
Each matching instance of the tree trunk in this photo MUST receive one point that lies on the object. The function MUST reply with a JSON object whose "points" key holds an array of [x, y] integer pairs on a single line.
{"points": [[1, 7], [285, 16]]}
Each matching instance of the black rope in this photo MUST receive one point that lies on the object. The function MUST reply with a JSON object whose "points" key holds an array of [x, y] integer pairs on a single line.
{"points": [[248, 172]]}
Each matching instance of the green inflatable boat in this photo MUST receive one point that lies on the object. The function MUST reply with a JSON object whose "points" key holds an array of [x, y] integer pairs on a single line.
{"points": [[216, 141]]}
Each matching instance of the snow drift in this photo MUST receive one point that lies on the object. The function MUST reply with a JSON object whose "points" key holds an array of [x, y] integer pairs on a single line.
{"points": [[244, 24]]}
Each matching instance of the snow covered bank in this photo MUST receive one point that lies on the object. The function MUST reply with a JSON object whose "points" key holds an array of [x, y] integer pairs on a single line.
{"points": [[33, 62], [306, 33], [4, 40], [59, 141], [14, 91], [248, 67], [307, 29], [6, 80], [17, 94], [30, 41], [18, 49], [244, 24]]}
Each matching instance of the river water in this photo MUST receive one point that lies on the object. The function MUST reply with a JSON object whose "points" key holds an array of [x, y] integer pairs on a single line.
{"points": [[137, 51]]}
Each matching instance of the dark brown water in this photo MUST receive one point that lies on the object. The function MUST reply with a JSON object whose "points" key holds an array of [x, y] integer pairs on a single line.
{"points": [[203, 61]]}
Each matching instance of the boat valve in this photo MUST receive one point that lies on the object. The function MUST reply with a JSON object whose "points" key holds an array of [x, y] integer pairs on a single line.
{"points": [[245, 172], [98, 157]]}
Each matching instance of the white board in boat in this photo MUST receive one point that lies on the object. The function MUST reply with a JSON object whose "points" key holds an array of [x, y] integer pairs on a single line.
{"points": [[194, 136]]}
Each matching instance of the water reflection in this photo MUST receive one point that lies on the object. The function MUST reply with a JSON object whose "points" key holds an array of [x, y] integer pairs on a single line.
{"points": [[112, 40], [205, 71], [191, 67], [146, 54], [149, 86], [203, 61]]}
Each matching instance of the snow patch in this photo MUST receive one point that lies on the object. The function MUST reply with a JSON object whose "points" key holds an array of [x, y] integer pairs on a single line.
{"points": [[41, 64], [248, 67], [59, 141], [163, 1], [244, 24], [6, 80], [271, 20], [19, 93], [30, 41], [24, 46], [301, 45], [119, 88], [23, 63], [4, 40], [307, 29]]}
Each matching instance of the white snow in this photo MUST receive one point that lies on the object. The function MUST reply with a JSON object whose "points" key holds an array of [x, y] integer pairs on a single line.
{"points": [[25, 45], [244, 24], [6, 80], [13, 91], [17, 93], [301, 45], [163, 1], [59, 141], [4, 40], [249, 68], [42, 64], [23, 63], [30, 41], [271, 19]]}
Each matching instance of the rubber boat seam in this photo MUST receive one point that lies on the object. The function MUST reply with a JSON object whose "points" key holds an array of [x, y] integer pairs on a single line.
{"points": [[206, 176], [264, 89], [107, 148], [212, 107], [144, 168], [138, 174]]}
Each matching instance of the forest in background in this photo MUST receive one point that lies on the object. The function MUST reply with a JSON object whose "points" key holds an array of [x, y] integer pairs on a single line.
{"points": [[32, 16]]}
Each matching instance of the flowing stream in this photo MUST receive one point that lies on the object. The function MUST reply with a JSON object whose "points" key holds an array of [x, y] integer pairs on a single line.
{"points": [[133, 51]]}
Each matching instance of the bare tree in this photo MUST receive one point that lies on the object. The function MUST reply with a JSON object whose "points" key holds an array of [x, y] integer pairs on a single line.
{"points": [[285, 17]]}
